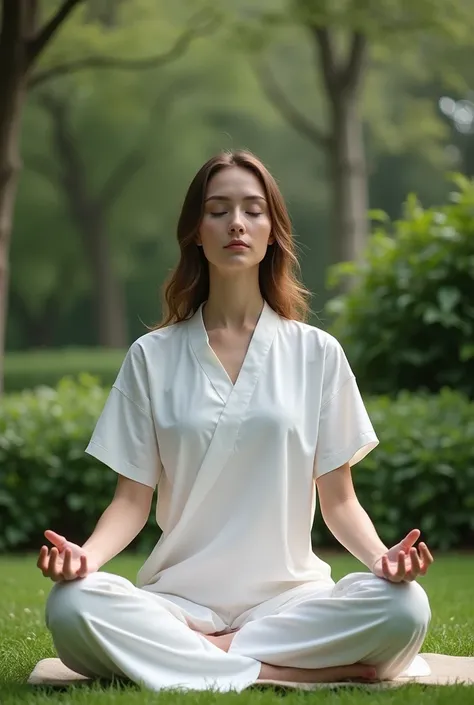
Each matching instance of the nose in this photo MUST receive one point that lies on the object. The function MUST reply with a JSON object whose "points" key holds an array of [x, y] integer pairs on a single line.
{"points": [[236, 228]]}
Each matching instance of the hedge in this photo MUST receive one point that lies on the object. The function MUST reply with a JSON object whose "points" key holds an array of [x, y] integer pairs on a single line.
{"points": [[421, 475]]}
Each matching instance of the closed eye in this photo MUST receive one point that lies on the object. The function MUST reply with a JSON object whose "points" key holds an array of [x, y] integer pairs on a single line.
{"points": [[217, 215]]}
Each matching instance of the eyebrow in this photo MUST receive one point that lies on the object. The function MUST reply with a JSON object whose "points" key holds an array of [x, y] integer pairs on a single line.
{"points": [[226, 198]]}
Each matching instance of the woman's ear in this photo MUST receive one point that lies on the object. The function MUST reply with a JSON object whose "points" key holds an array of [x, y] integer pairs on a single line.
{"points": [[271, 239]]}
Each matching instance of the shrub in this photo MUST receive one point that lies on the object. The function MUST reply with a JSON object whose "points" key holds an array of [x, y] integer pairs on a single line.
{"points": [[408, 321], [421, 475]]}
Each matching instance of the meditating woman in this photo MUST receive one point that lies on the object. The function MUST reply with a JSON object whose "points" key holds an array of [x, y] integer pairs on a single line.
{"points": [[239, 413]]}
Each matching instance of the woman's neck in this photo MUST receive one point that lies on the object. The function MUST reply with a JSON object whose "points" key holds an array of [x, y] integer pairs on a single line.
{"points": [[232, 303]]}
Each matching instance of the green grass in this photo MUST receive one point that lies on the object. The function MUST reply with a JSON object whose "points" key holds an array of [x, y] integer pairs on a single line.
{"points": [[27, 369], [24, 640]]}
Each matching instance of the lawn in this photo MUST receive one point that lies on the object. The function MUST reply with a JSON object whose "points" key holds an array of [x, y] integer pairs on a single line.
{"points": [[24, 640]]}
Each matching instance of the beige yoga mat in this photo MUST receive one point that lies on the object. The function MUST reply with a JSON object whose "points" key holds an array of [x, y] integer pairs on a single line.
{"points": [[445, 670]]}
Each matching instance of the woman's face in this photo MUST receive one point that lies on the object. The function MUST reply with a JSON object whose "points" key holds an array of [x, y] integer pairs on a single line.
{"points": [[235, 209]]}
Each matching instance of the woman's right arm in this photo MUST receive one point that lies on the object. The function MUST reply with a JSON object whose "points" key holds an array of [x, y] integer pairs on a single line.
{"points": [[119, 524]]}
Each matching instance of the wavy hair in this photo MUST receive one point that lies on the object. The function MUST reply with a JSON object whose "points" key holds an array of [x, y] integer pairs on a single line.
{"points": [[188, 285]]}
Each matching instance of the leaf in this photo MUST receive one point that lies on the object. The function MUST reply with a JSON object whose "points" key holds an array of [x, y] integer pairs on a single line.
{"points": [[448, 298], [378, 215], [467, 352]]}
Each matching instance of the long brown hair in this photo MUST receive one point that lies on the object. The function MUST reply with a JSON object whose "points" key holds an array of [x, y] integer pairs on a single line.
{"points": [[188, 285]]}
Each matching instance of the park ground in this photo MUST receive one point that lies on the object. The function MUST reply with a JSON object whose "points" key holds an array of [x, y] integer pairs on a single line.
{"points": [[24, 640]]}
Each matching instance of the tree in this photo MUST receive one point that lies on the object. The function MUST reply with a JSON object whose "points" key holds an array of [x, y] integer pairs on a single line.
{"points": [[342, 35], [23, 39]]}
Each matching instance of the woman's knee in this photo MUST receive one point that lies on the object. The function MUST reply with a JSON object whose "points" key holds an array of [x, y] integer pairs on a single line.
{"points": [[68, 600], [409, 608]]}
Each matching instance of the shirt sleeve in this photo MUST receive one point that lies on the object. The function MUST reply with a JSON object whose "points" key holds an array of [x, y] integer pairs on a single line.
{"points": [[124, 437], [345, 432]]}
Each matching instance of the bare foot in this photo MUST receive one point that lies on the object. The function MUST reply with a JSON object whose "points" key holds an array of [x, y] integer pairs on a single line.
{"points": [[222, 641], [353, 672]]}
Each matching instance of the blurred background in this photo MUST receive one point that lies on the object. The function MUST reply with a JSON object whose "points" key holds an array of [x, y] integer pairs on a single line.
{"points": [[364, 113]]}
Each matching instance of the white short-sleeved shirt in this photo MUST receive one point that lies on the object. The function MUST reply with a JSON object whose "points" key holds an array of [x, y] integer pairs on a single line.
{"points": [[235, 465]]}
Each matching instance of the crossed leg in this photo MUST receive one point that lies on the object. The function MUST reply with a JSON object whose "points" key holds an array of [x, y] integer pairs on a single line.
{"points": [[103, 626], [362, 627], [355, 671]]}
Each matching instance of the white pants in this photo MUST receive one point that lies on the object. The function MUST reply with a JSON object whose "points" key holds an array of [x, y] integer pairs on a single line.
{"points": [[103, 626]]}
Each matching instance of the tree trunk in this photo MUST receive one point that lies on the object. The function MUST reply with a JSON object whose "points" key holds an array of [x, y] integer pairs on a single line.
{"points": [[349, 180], [89, 218], [38, 331], [109, 299], [12, 93]]}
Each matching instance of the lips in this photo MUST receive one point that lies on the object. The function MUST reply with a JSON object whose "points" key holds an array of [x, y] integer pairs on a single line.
{"points": [[236, 243]]}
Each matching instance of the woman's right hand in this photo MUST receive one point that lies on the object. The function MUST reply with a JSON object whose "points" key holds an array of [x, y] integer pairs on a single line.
{"points": [[65, 560]]}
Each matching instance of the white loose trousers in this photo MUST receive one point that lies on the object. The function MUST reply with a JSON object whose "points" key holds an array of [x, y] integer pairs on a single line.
{"points": [[103, 626]]}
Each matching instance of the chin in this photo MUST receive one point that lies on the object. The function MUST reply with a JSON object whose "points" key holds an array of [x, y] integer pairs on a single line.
{"points": [[235, 264]]}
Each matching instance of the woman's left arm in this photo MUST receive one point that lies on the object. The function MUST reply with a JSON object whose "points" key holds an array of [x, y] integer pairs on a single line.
{"points": [[351, 526]]}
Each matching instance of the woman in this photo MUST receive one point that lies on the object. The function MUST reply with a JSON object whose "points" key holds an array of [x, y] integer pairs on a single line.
{"points": [[235, 410]]}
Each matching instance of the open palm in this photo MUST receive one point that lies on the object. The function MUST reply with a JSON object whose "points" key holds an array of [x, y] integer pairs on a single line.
{"points": [[65, 560]]}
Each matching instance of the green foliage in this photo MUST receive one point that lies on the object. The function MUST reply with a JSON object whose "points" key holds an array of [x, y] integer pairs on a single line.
{"points": [[46, 477], [421, 475], [47, 481], [26, 370], [171, 111], [408, 321]]}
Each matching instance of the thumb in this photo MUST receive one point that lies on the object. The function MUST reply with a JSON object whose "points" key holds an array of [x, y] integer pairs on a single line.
{"points": [[410, 538], [55, 538]]}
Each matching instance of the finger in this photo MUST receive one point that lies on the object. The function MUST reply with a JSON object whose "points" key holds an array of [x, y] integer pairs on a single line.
{"points": [[427, 557], [67, 561], [387, 572], [386, 567], [399, 574], [412, 566], [42, 561], [411, 538], [54, 568], [401, 567], [83, 568], [55, 539], [415, 562]]}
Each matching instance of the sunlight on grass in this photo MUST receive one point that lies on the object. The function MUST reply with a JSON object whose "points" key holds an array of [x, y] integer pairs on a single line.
{"points": [[25, 640]]}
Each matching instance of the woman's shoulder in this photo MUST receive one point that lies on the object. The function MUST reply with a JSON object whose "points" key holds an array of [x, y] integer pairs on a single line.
{"points": [[157, 341], [311, 336]]}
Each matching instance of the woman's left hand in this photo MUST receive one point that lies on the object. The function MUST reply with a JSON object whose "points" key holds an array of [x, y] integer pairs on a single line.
{"points": [[402, 562]]}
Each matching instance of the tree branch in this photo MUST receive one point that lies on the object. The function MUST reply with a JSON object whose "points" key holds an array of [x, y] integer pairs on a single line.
{"points": [[131, 162], [36, 45], [42, 166], [10, 26], [323, 41], [71, 173], [119, 178], [298, 121], [103, 62], [351, 73]]}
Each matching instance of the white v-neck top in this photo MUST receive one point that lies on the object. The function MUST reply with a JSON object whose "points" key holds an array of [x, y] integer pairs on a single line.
{"points": [[235, 465]]}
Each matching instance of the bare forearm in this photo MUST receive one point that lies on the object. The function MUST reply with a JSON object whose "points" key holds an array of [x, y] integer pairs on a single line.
{"points": [[352, 527], [119, 524]]}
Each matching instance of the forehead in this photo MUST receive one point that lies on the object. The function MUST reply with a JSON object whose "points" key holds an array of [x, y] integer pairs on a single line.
{"points": [[235, 182]]}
